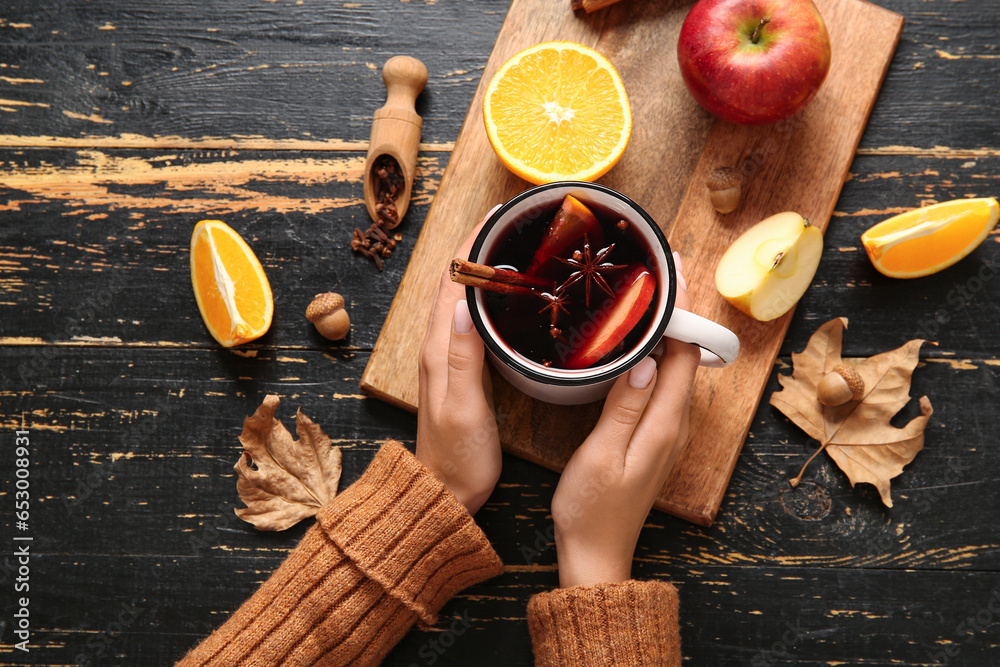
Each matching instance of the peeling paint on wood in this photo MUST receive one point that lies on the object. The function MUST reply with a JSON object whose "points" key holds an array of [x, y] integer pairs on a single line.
{"points": [[256, 143], [102, 180]]}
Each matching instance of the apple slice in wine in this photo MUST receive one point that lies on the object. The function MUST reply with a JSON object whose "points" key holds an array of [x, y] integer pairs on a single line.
{"points": [[573, 220], [630, 304]]}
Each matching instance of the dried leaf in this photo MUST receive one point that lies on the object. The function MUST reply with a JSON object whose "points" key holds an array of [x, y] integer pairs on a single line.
{"points": [[281, 480], [857, 434]]}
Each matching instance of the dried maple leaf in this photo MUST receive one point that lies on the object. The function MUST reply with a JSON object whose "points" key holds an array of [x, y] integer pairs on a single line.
{"points": [[857, 434], [281, 480]]}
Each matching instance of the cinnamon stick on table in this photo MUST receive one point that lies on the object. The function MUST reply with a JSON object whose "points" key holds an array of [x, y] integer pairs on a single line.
{"points": [[591, 5]]}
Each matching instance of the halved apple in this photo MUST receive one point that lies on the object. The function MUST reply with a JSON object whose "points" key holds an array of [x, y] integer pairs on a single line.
{"points": [[768, 269]]}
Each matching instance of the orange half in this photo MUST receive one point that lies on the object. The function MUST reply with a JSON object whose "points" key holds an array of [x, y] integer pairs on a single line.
{"points": [[557, 111], [233, 294], [927, 240]]}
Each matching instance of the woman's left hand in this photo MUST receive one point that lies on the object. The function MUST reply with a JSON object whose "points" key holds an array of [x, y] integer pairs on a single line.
{"points": [[457, 437]]}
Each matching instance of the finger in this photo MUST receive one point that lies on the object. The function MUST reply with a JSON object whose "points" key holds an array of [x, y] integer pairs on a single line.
{"points": [[661, 435], [434, 351], [449, 292], [488, 388], [622, 411], [465, 359], [681, 300], [657, 438], [682, 442]]}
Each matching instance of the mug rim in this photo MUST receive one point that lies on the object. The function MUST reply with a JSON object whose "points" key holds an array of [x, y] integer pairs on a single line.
{"points": [[561, 376]]}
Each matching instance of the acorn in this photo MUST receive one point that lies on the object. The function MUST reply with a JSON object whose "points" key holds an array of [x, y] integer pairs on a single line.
{"points": [[327, 313], [840, 385], [725, 189]]}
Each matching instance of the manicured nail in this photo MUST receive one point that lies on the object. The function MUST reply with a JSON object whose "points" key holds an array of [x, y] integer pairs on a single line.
{"points": [[642, 373], [463, 318], [680, 271]]}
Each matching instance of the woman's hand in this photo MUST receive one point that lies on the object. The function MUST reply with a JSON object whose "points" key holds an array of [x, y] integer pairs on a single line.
{"points": [[457, 436], [611, 481]]}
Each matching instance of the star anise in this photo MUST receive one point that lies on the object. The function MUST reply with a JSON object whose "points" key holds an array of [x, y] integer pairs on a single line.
{"points": [[588, 268], [554, 302]]}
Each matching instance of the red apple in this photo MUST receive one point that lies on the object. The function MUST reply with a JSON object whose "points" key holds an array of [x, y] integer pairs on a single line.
{"points": [[754, 61]]}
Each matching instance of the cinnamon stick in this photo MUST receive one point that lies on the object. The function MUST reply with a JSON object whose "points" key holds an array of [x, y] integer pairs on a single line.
{"points": [[465, 267], [490, 278], [492, 285], [591, 5]]}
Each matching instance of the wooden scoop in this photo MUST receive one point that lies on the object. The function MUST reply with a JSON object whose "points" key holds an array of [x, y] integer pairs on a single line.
{"points": [[396, 130]]}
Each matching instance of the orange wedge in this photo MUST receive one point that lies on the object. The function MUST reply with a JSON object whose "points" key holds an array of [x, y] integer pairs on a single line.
{"points": [[927, 240], [233, 293], [557, 111]]}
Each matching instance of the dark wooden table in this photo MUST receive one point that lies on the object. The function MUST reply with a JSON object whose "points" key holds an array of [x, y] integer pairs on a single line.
{"points": [[122, 123]]}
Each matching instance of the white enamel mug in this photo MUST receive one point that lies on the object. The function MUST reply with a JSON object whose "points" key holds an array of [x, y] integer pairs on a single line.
{"points": [[719, 345]]}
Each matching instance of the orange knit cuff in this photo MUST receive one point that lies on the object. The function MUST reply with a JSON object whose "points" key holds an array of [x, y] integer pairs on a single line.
{"points": [[631, 623], [404, 529]]}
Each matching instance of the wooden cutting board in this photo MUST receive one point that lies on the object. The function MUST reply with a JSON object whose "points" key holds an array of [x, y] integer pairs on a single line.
{"points": [[799, 164]]}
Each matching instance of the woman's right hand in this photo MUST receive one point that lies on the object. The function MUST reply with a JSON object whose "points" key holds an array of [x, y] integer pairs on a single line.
{"points": [[609, 485]]}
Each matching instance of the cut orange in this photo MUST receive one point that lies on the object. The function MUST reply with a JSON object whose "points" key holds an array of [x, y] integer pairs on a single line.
{"points": [[557, 111], [927, 240], [233, 293]]}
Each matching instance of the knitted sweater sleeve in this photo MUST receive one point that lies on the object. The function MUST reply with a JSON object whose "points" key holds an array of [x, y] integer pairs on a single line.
{"points": [[628, 624], [387, 552]]}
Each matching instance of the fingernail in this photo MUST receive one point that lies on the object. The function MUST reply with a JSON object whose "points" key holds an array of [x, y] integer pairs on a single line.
{"points": [[463, 318], [639, 377], [680, 271]]}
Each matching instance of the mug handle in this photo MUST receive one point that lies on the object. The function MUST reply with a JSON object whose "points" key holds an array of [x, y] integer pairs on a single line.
{"points": [[719, 346]]}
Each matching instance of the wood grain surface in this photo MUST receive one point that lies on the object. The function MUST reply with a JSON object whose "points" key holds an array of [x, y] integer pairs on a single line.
{"points": [[122, 123], [797, 165]]}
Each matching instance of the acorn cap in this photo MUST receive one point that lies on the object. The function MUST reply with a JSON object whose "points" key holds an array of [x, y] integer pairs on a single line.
{"points": [[723, 178], [852, 378], [324, 304]]}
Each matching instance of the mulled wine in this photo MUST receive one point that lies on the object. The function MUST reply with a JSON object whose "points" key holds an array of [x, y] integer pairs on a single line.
{"points": [[584, 288]]}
